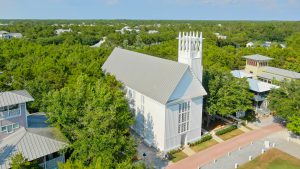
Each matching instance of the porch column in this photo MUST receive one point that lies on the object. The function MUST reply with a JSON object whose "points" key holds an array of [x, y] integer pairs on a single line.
{"points": [[45, 165]]}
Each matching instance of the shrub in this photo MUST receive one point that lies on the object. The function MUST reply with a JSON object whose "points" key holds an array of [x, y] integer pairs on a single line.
{"points": [[203, 139], [226, 130], [174, 151], [170, 154]]}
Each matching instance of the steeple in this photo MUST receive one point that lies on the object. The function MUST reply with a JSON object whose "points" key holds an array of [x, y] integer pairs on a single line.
{"points": [[190, 51]]}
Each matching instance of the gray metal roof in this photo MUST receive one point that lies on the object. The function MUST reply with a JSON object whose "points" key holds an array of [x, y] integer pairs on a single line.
{"points": [[14, 97], [271, 76], [241, 74], [259, 86], [152, 76], [3, 32], [258, 57], [282, 72], [31, 145]]}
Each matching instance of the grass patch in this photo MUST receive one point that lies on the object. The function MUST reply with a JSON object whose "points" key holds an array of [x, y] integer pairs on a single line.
{"points": [[273, 159], [204, 145], [178, 156], [249, 128], [231, 134]]}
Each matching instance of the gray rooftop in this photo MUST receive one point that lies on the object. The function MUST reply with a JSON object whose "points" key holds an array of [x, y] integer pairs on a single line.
{"points": [[259, 86], [270, 76], [258, 57], [14, 97], [3, 32], [31, 145], [282, 72], [152, 76]]}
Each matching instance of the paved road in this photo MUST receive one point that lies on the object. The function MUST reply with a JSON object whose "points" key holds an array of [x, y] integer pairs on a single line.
{"points": [[221, 149]]}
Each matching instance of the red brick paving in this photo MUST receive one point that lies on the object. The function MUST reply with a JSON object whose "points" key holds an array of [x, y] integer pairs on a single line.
{"points": [[203, 157]]}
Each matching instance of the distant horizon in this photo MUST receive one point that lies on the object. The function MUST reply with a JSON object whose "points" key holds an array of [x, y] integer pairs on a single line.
{"points": [[222, 10], [107, 19]]}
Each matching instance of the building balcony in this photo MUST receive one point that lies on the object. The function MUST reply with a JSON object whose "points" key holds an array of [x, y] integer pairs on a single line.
{"points": [[10, 113]]}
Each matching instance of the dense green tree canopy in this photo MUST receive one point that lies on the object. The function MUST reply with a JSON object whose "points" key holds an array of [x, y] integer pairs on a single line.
{"points": [[94, 115], [285, 102], [226, 94]]}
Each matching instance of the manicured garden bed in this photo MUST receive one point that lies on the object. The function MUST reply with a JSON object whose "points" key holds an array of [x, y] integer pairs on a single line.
{"points": [[231, 134], [273, 159], [226, 130], [178, 156], [204, 145]]}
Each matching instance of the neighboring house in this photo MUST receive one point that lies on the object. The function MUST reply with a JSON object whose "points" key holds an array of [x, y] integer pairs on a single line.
{"points": [[3, 34], [249, 44], [260, 90], [15, 138], [60, 31], [13, 112], [16, 35], [257, 65], [152, 31], [219, 36], [166, 97], [7, 35], [267, 44], [128, 29], [261, 76]]}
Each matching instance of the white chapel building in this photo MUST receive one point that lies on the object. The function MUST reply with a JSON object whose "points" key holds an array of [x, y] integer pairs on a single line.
{"points": [[166, 97]]}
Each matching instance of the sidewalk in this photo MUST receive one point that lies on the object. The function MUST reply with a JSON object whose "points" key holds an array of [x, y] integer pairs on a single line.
{"points": [[208, 155]]}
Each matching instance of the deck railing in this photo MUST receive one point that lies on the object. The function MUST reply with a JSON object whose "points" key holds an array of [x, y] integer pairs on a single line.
{"points": [[10, 113]]}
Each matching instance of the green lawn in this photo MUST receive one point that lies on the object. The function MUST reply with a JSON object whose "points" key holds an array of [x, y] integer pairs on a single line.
{"points": [[231, 134], [178, 156], [204, 145], [273, 159]]}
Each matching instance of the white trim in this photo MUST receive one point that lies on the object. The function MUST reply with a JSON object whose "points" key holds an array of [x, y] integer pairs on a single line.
{"points": [[13, 128]]}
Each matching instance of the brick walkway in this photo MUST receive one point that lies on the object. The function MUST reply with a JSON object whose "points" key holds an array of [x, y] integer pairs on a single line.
{"points": [[208, 155]]}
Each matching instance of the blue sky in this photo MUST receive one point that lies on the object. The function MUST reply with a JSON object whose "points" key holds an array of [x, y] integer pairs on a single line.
{"points": [[151, 9]]}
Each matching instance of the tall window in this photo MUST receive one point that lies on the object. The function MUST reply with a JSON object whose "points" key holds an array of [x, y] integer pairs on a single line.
{"points": [[184, 116]]}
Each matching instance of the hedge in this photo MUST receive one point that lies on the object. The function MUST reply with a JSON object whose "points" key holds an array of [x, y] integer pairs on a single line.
{"points": [[174, 151], [203, 139], [226, 130]]}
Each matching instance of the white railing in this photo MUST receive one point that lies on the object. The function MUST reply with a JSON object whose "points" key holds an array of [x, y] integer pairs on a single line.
{"points": [[10, 113]]}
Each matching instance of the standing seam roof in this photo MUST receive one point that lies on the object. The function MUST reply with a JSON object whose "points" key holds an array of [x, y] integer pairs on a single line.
{"points": [[154, 77], [258, 57], [282, 72], [31, 145], [14, 97]]}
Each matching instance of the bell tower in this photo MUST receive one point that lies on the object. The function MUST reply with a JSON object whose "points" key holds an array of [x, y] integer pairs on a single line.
{"points": [[190, 51]]}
